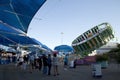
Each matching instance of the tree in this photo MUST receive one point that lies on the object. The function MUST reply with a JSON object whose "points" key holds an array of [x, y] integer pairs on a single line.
{"points": [[102, 57], [115, 54]]}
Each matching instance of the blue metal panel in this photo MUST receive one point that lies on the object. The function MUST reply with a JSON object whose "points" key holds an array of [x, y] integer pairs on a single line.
{"points": [[10, 39], [15, 17], [5, 28], [19, 13], [12, 36]]}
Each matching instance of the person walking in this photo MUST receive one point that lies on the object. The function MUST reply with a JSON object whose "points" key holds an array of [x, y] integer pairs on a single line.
{"points": [[45, 61], [55, 64], [49, 64], [40, 63], [66, 62], [31, 60]]}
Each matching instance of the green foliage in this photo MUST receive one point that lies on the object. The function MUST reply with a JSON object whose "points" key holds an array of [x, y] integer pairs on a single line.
{"points": [[115, 53], [118, 45], [118, 57], [118, 53], [100, 58]]}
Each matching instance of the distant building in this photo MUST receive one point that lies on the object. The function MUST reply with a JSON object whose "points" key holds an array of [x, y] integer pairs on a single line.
{"points": [[106, 48]]}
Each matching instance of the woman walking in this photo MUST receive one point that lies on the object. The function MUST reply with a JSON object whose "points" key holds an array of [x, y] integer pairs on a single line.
{"points": [[55, 64]]}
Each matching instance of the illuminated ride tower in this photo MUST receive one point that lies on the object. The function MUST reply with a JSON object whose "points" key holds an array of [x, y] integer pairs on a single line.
{"points": [[93, 39]]}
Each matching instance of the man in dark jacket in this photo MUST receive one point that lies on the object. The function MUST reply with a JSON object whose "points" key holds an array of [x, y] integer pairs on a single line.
{"points": [[49, 64]]}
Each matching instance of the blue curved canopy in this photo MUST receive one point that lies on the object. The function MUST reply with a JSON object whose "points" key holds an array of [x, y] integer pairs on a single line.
{"points": [[64, 48], [42, 45], [15, 17], [12, 36], [5, 28], [19, 13]]}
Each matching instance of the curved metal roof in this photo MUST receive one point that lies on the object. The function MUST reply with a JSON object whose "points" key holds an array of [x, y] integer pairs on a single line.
{"points": [[15, 17], [64, 48], [19, 13], [9, 36]]}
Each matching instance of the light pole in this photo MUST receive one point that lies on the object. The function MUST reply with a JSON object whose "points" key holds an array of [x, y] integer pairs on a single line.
{"points": [[62, 37]]}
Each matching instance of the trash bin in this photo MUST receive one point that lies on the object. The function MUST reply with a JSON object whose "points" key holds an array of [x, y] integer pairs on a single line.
{"points": [[71, 65], [96, 70]]}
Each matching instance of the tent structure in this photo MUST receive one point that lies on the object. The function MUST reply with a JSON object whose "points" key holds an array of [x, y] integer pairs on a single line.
{"points": [[43, 46], [19, 13], [64, 48], [12, 36], [15, 17]]}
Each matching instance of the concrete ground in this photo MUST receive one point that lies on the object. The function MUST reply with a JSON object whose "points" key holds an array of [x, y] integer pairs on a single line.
{"points": [[83, 72]]}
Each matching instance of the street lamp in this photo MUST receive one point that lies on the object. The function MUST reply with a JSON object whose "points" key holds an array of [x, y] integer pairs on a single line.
{"points": [[62, 37]]}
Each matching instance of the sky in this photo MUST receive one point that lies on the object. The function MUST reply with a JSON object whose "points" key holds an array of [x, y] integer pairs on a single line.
{"points": [[59, 22]]}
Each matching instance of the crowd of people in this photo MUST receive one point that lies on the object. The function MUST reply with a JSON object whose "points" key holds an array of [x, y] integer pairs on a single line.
{"points": [[6, 58], [43, 63]]}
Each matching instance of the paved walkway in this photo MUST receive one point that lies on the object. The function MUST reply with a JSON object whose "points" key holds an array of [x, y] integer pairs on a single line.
{"points": [[10, 72]]}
